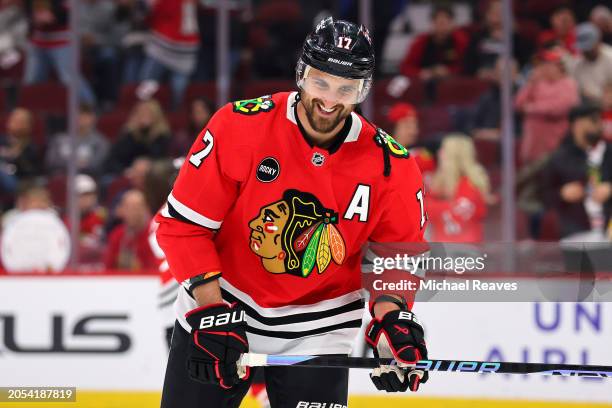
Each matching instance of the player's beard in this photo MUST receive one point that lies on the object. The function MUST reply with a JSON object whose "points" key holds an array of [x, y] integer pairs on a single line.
{"points": [[321, 124]]}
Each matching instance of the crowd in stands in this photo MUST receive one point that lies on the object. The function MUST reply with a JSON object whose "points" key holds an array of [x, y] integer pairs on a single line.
{"points": [[147, 89]]}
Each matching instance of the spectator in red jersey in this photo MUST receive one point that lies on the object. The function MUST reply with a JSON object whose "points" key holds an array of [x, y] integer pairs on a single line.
{"points": [[486, 45], [606, 114], [457, 200], [172, 46], [49, 45], [545, 101], [146, 134], [563, 30], [128, 243], [439, 53], [406, 132], [93, 217]]}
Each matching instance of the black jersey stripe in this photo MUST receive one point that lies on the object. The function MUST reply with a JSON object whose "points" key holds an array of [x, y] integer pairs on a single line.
{"points": [[297, 334], [293, 318]]}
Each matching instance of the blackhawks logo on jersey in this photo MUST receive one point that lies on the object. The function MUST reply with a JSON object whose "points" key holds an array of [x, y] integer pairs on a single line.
{"points": [[254, 106], [297, 234], [384, 139]]}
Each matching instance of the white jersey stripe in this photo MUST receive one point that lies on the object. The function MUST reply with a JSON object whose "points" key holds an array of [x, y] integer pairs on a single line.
{"points": [[192, 215], [289, 310]]}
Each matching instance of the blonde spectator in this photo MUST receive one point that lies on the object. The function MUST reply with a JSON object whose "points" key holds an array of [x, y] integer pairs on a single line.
{"points": [[459, 193], [146, 134]]}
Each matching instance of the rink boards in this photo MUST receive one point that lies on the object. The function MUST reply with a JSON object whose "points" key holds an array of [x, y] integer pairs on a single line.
{"points": [[103, 336]]}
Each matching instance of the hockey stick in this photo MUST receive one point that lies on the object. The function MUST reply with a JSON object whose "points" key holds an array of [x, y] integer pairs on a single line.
{"points": [[567, 370]]}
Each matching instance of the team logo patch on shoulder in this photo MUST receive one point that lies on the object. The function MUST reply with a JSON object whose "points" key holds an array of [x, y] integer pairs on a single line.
{"points": [[268, 170], [297, 235], [254, 106], [382, 138]]}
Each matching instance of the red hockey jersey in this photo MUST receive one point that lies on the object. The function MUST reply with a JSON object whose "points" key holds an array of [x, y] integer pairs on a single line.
{"points": [[283, 222], [460, 219]]}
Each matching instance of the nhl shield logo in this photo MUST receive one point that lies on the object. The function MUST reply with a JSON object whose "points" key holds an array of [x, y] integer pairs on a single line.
{"points": [[318, 159]]}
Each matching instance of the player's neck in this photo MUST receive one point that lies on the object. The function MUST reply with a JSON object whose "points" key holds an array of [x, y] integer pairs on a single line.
{"points": [[323, 140]]}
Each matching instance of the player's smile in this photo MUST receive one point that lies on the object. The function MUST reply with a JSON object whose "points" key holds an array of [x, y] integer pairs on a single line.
{"points": [[325, 112]]}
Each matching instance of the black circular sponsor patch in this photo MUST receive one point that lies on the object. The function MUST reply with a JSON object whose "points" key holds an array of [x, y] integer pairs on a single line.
{"points": [[268, 170]]}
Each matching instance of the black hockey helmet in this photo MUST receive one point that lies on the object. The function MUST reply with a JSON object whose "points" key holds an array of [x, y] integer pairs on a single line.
{"points": [[339, 48]]}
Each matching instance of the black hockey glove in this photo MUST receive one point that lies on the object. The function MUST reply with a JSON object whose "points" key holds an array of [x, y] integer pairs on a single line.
{"points": [[397, 335], [218, 338]]}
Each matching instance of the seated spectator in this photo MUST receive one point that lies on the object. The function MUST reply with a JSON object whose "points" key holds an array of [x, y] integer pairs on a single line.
{"points": [[28, 197], [439, 53], [579, 175], [406, 132], [128, 243], [199, 113], [34, 238], [563, 30], [13, 33], [133, 178], [606, 114], [172, 46], [593, 68], [136, 174], [93, 217], [486, 45], [545, 100], [601, 16], [91, 146], [146, 133], [459, 192], [487, 115], [49, 45], [19, 156]]}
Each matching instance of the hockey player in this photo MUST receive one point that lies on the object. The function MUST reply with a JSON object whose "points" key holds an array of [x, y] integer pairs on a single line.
{"points": [[264, 229]]}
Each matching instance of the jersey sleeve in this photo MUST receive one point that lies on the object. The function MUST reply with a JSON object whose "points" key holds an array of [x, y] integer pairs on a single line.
{"points": [[400, 228], [205, 189], [403, 217]]}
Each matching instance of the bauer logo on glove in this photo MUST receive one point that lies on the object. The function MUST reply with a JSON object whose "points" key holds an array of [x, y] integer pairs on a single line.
{"points": [[218, 339], [237, 316], [398, 335]]}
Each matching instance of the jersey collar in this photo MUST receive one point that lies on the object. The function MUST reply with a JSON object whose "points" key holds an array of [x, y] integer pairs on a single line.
{"points": [[353, 133]]}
